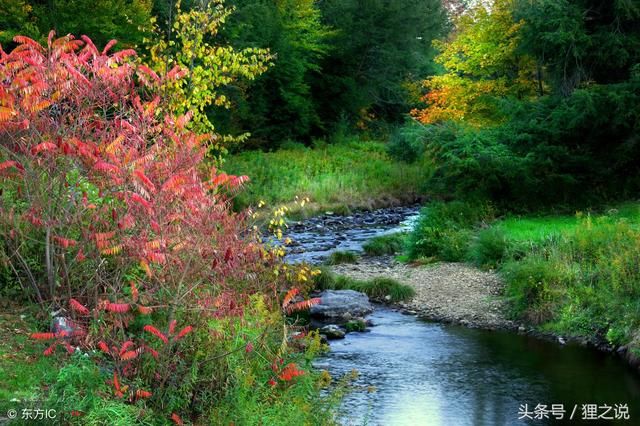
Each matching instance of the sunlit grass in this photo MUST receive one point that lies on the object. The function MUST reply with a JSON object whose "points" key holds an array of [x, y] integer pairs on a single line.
{"points": [[354, 174]]}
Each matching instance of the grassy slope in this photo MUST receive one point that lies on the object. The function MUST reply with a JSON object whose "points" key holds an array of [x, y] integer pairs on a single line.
{"points": [[538, 228], [570, 274], [338, 177]]}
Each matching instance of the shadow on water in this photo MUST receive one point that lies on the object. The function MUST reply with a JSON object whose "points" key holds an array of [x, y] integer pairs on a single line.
{"points": [[433, 374]]}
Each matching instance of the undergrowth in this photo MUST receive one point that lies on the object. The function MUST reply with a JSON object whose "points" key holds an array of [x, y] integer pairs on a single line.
{"points": [[378, 288]]}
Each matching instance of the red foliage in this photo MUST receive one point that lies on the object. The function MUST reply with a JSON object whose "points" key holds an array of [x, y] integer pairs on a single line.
{"points": [[120, 308], [176, 419], [78, 307], [116, 193], [183, 332], [289, 372], [151, 329]]}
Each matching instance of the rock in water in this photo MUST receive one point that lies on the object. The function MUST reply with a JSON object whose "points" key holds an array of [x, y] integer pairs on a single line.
{"points": [[332, 331], [342, 304]]}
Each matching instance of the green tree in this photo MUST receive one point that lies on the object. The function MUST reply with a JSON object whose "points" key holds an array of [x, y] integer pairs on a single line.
{"points": [[578, 41], [380, 46], [483, 63], [16, 17], [279, 105], [102, 20], [190, 44]]}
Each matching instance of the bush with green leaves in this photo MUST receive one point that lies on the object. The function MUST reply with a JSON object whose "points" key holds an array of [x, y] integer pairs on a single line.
{"points": [[444, 230], [339, 257], [489, 248], [377, 288], [552, 150], [385, 244]]}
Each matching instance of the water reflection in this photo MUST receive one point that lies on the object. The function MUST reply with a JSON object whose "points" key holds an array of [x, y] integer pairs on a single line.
{"points": [[433, 374]]}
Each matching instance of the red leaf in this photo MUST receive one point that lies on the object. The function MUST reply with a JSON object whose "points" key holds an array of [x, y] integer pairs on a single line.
{"points": [[183, 332], [120, 308], [152, 351], [134, 291], [228, 254], [142, 394], [138, 199], [103, 347], [44, 146], [144, 310], [129, 355], [116, 382], [78, 307], [65, 242], [8, 164], [151, 329], [126, 345], [43, 336], [105, 167], [176, 419], [50, 349], [145, 180]]}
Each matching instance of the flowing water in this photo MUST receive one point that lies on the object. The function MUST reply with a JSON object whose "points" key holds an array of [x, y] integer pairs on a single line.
{"points": [[413, 372]]}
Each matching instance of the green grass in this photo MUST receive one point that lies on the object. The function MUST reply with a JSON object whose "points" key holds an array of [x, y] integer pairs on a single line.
{"points": [[23, 369], [377, 288], [347, 175], [385, 244], [339, 257], [575, 275], [586, 282]]}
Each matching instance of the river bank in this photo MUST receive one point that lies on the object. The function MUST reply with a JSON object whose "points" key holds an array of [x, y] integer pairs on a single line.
{"points": [[460, 294], [445, 292]]}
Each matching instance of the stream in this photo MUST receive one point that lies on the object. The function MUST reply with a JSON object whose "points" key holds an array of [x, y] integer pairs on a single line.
{"points": [[414, 372]]}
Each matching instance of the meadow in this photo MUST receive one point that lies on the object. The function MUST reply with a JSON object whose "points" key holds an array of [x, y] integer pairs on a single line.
{"points": [[339, 177]]}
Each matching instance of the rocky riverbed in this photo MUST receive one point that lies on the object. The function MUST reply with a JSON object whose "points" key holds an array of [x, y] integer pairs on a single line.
{"points": [[314, 239], [445, 292]]}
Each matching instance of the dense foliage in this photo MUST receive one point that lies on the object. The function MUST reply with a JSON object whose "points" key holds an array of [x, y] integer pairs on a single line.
{"points": [[110, 217], [532, 110], [335, 65]]}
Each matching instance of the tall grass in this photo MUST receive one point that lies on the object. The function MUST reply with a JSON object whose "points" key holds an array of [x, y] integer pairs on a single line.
{"points": [[385, 244], [572, 274], [349, 174], [378, 288], [586, 282]]}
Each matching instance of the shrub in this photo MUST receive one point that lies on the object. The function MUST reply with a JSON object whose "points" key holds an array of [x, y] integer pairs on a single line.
{"points": [[355, 325], [489, 248], [552, 150], [381, 287], [444, 230], [407, 143], [377, 288], [586, 282], [385, 244], [139, 246], [339, 257]]}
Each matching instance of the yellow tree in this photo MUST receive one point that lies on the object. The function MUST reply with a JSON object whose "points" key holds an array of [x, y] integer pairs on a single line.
{"points": [[482, 63], [189, 45]]}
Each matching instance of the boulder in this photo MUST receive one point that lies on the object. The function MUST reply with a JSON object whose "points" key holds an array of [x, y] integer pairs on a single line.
{"points": [[332, 331], [341, 304]]}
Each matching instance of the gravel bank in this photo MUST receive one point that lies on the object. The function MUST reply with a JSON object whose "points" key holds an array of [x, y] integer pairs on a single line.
{"points": [[447, 292]]}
